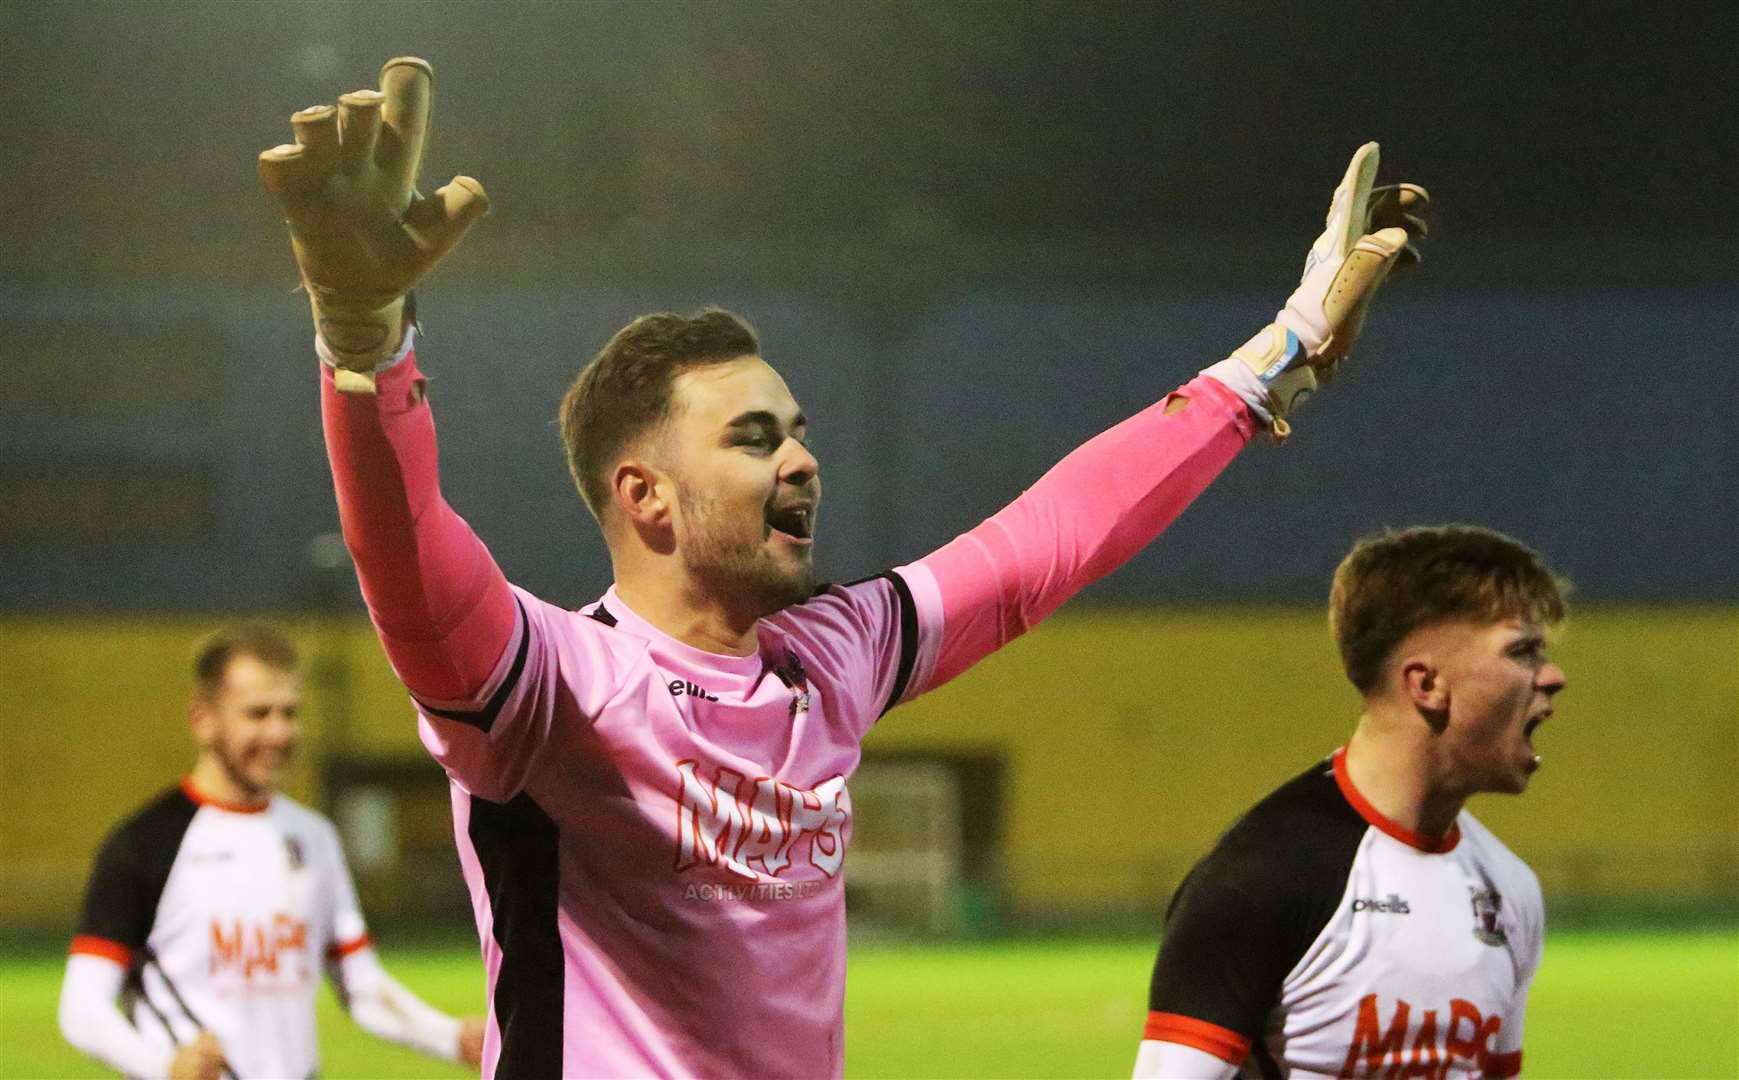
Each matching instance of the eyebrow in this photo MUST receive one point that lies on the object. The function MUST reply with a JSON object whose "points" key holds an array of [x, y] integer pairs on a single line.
{"points": [[763, 418]]}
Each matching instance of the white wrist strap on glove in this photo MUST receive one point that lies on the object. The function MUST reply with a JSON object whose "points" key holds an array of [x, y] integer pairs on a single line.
{"points": [[1368, 231], [1268, 373], [324, 351]]}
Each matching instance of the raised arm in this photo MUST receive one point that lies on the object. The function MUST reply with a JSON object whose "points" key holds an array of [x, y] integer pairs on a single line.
{"points": [[1111, 497], [363, 237], [440, 604], [1084, 518]]}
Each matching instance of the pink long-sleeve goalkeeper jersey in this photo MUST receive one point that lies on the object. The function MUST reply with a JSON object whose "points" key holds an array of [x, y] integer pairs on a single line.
{"points": [[655, 837]]}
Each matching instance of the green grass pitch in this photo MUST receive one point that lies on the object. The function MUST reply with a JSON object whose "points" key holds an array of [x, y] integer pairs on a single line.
{"points": [[1632, 1004]]}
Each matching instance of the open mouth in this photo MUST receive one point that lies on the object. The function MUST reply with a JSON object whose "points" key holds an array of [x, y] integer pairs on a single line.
{"points": [[795, 522], [1532, 724]]}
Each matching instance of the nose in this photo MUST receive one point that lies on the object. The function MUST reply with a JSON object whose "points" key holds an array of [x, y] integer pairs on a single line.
{"points": [[1551, 679], [798, 466], [281, 729]]}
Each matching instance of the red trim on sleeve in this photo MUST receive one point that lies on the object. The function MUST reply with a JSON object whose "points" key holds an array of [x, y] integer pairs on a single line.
{"points": [[338, 951], [1393, 828], [1502, 1065], [1223, 1043], [91, 945], [200, 797]]}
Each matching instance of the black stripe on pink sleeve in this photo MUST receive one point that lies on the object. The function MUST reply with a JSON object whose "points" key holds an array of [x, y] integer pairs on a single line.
{"points": [[908, 638], [483, 719]]}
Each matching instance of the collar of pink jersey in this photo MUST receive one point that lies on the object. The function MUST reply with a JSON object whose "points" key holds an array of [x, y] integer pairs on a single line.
{"points": [[1410, 837], [671, 648]]}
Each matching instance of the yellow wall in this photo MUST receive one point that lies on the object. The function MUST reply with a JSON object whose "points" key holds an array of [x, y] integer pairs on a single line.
{"points": [[1132, 736], [1137, 736], [93, 721]]}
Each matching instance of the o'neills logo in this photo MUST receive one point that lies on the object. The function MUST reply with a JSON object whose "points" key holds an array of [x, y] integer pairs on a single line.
{"points": [[1389, 905], [751, 827]]}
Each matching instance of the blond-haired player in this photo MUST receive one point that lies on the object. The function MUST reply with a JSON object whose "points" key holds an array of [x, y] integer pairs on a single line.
{"points": [[212, 911]]}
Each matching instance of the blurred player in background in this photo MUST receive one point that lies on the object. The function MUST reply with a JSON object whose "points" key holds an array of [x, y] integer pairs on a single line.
{"points": [[649, 793], [212, 910], [1358, 921]]}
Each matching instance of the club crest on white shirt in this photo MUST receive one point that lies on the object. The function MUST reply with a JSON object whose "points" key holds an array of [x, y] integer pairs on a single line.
{"points": [[1487, 916]]}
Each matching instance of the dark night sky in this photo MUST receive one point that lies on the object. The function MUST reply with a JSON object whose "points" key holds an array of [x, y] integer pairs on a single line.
{"points": [[663, 135]]}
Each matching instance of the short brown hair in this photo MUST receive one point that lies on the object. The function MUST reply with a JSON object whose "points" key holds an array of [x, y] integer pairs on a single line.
{"points": [[1393, 583], [212, 658], [625, 390]]}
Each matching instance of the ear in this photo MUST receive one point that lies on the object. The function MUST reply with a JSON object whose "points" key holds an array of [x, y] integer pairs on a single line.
{"points": [[1426, 688], [200, 721], [640, 493]]}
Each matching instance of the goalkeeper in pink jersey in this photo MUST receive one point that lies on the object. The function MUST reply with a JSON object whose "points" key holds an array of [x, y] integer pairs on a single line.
{"points": [[650, 793]]}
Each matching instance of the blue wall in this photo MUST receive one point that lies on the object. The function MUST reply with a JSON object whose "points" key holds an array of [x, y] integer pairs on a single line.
{"points": [[1598, 425]]}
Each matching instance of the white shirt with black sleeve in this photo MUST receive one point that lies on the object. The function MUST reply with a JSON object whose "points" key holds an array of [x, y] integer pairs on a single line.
{"points": [[1321, 939], [202, 915]]}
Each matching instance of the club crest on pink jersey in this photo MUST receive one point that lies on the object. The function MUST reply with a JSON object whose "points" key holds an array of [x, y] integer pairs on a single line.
{"points": [[792, 674], [752, 827]]}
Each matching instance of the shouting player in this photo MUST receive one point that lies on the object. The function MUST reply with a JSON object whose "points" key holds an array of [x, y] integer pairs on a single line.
{"points": [[649, 794], [212, 910], [1358, 921]]}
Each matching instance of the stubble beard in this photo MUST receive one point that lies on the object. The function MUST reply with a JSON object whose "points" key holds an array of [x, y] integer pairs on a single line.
{"points": [[738, 569], [235, 766]]}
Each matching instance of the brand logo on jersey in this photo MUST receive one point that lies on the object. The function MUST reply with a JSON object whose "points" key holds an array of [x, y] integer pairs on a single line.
{"points": [[679, 687], [1389, 905], [1425, 1048], [293, 849], [750, 827], [248, 947], [1488, 916]]}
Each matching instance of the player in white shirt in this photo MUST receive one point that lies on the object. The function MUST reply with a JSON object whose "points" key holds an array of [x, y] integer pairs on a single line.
{"points": [[1358, 922], [211, 911]]}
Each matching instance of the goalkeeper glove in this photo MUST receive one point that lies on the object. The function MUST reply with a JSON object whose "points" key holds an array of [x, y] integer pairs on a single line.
{"points": [[362, 234], [1370, 231]]}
